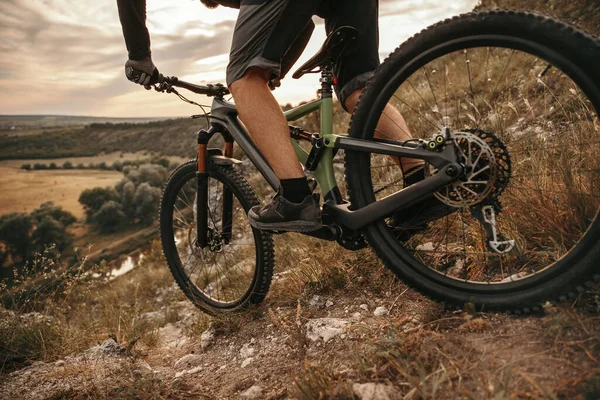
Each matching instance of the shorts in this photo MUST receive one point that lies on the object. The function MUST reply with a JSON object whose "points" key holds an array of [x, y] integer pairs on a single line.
{"points": [[266, 29]]}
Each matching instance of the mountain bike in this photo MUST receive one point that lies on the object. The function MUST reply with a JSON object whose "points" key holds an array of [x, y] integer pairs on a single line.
{"points": [[503, 110]]}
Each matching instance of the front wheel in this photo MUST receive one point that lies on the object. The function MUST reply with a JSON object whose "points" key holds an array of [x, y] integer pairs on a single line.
{"points": [[234, 270], [523, 91]]}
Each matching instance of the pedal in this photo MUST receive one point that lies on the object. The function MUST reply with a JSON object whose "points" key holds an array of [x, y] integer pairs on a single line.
{"points": [[496, 242]]}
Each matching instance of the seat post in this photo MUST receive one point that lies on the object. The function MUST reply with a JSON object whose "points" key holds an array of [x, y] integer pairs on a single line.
{"points": [[327, 81]]}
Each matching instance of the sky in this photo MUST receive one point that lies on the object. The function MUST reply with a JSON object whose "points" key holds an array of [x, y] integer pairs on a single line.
{"points": [[66, 57]]}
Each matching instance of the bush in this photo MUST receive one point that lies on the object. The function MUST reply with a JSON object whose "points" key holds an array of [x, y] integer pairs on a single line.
{"points": [[146, 201], [68, 165], [48, 209], [80, 166], [15, 229], [93, 199], [26, 167], [52, 166], [110, 217], [117, 166], [40, 166]]}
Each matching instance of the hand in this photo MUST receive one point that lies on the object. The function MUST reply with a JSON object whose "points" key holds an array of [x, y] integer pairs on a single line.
{"points": [[142, 72]]}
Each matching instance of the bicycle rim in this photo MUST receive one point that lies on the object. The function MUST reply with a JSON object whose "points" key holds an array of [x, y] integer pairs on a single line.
{"points": [[224, 274], [529, 99]]}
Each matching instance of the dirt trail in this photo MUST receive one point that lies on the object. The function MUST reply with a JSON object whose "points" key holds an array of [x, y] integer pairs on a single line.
{"points": [[337, 344]]}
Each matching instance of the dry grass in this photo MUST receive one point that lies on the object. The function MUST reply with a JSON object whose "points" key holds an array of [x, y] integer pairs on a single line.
{"points": [[72, 311], [553, 137], [23, 191]]}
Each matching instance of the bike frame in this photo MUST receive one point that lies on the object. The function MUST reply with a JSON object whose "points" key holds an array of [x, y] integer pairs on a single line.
{"points": [[224, 120]]}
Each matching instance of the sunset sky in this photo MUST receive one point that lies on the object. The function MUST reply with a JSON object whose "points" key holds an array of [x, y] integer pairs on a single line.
{"points": [[66, 56]]}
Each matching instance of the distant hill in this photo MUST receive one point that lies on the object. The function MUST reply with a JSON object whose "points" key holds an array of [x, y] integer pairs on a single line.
{"points": [[168, 137], [22, 122]]}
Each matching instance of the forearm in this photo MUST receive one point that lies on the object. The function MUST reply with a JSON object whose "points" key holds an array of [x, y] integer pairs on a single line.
{"points": [[132, 14]]}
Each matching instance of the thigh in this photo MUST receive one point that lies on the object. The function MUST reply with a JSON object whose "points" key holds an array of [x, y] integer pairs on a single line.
{"points": [[264, 31], [355, 68]]}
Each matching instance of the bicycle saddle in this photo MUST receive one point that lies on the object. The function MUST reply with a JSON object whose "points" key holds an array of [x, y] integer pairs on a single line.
{"points": [[339, 41]]}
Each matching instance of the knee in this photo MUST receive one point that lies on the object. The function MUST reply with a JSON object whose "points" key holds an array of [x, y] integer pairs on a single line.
{"points": [[253, 77]]}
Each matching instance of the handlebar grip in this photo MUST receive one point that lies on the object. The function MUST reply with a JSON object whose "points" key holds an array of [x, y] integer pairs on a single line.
{"points": [[134, 75]]}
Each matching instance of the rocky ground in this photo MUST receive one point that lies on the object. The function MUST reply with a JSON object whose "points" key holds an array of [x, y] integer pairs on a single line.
{"points": [[367, 341]]}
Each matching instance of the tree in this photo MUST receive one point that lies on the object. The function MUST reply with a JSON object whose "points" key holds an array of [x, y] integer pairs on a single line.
{"points": [[109, 217], [153, 174], [49, 231], [146, 200], [93, 199], [128, 199], [48, 209], [26, 167], [68, 165], [14, 233]]}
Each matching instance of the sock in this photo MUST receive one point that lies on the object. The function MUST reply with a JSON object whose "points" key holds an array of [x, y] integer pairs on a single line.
{"points": [[414, 175], [295, 190]]}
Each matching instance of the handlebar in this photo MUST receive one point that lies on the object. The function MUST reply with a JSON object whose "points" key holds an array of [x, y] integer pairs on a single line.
{"points": [[210, 90]]}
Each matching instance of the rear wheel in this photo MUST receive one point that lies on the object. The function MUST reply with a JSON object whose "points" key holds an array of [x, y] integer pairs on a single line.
{"points": [[521, 89], [236, 267]]}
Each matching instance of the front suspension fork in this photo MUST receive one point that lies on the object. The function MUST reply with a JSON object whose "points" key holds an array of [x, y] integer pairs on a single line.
{"points": [[227, 197], [202, 194]]}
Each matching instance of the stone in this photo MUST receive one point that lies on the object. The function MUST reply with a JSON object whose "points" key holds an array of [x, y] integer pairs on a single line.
{"points": [[364, 307], [324, 328], [187, 361], [108, 347], [188, 372], [255, 392], [328, 303], [246, 351], [60, 363], [380, 311], [375, 391], [247, 362], [208, 336], [316, 302]]}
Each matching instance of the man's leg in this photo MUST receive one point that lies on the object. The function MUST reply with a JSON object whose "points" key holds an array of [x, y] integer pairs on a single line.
{"points": [[263, 117], [263, 33], [391, 126]]}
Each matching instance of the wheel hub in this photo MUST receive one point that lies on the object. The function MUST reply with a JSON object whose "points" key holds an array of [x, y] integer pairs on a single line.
{"points": [[480, 170]]}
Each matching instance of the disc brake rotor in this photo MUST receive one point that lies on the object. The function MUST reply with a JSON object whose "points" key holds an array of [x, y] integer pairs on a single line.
{"points": [[479, 178]]}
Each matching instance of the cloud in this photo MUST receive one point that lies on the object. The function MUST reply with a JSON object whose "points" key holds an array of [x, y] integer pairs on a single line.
{"points": [[66, 57]]}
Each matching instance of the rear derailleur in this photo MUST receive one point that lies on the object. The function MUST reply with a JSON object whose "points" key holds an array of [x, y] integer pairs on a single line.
{"points": [[486, 215]]}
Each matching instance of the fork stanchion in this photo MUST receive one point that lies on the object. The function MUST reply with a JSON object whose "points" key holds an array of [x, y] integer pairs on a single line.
{"points": [[202, 194]]}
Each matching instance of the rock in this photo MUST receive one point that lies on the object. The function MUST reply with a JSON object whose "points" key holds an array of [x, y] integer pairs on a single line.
{"points": [[380, 311], [188, 372], [208, 336], [316, 302], [426, 247], [324, 328], [108, 347], [356, 315], [364, 307], [172, 336], [152, 316], [247, 362], [246, 351], [328, 303], [255, 392], [60, 363], [375, 391], [187, 361]]}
